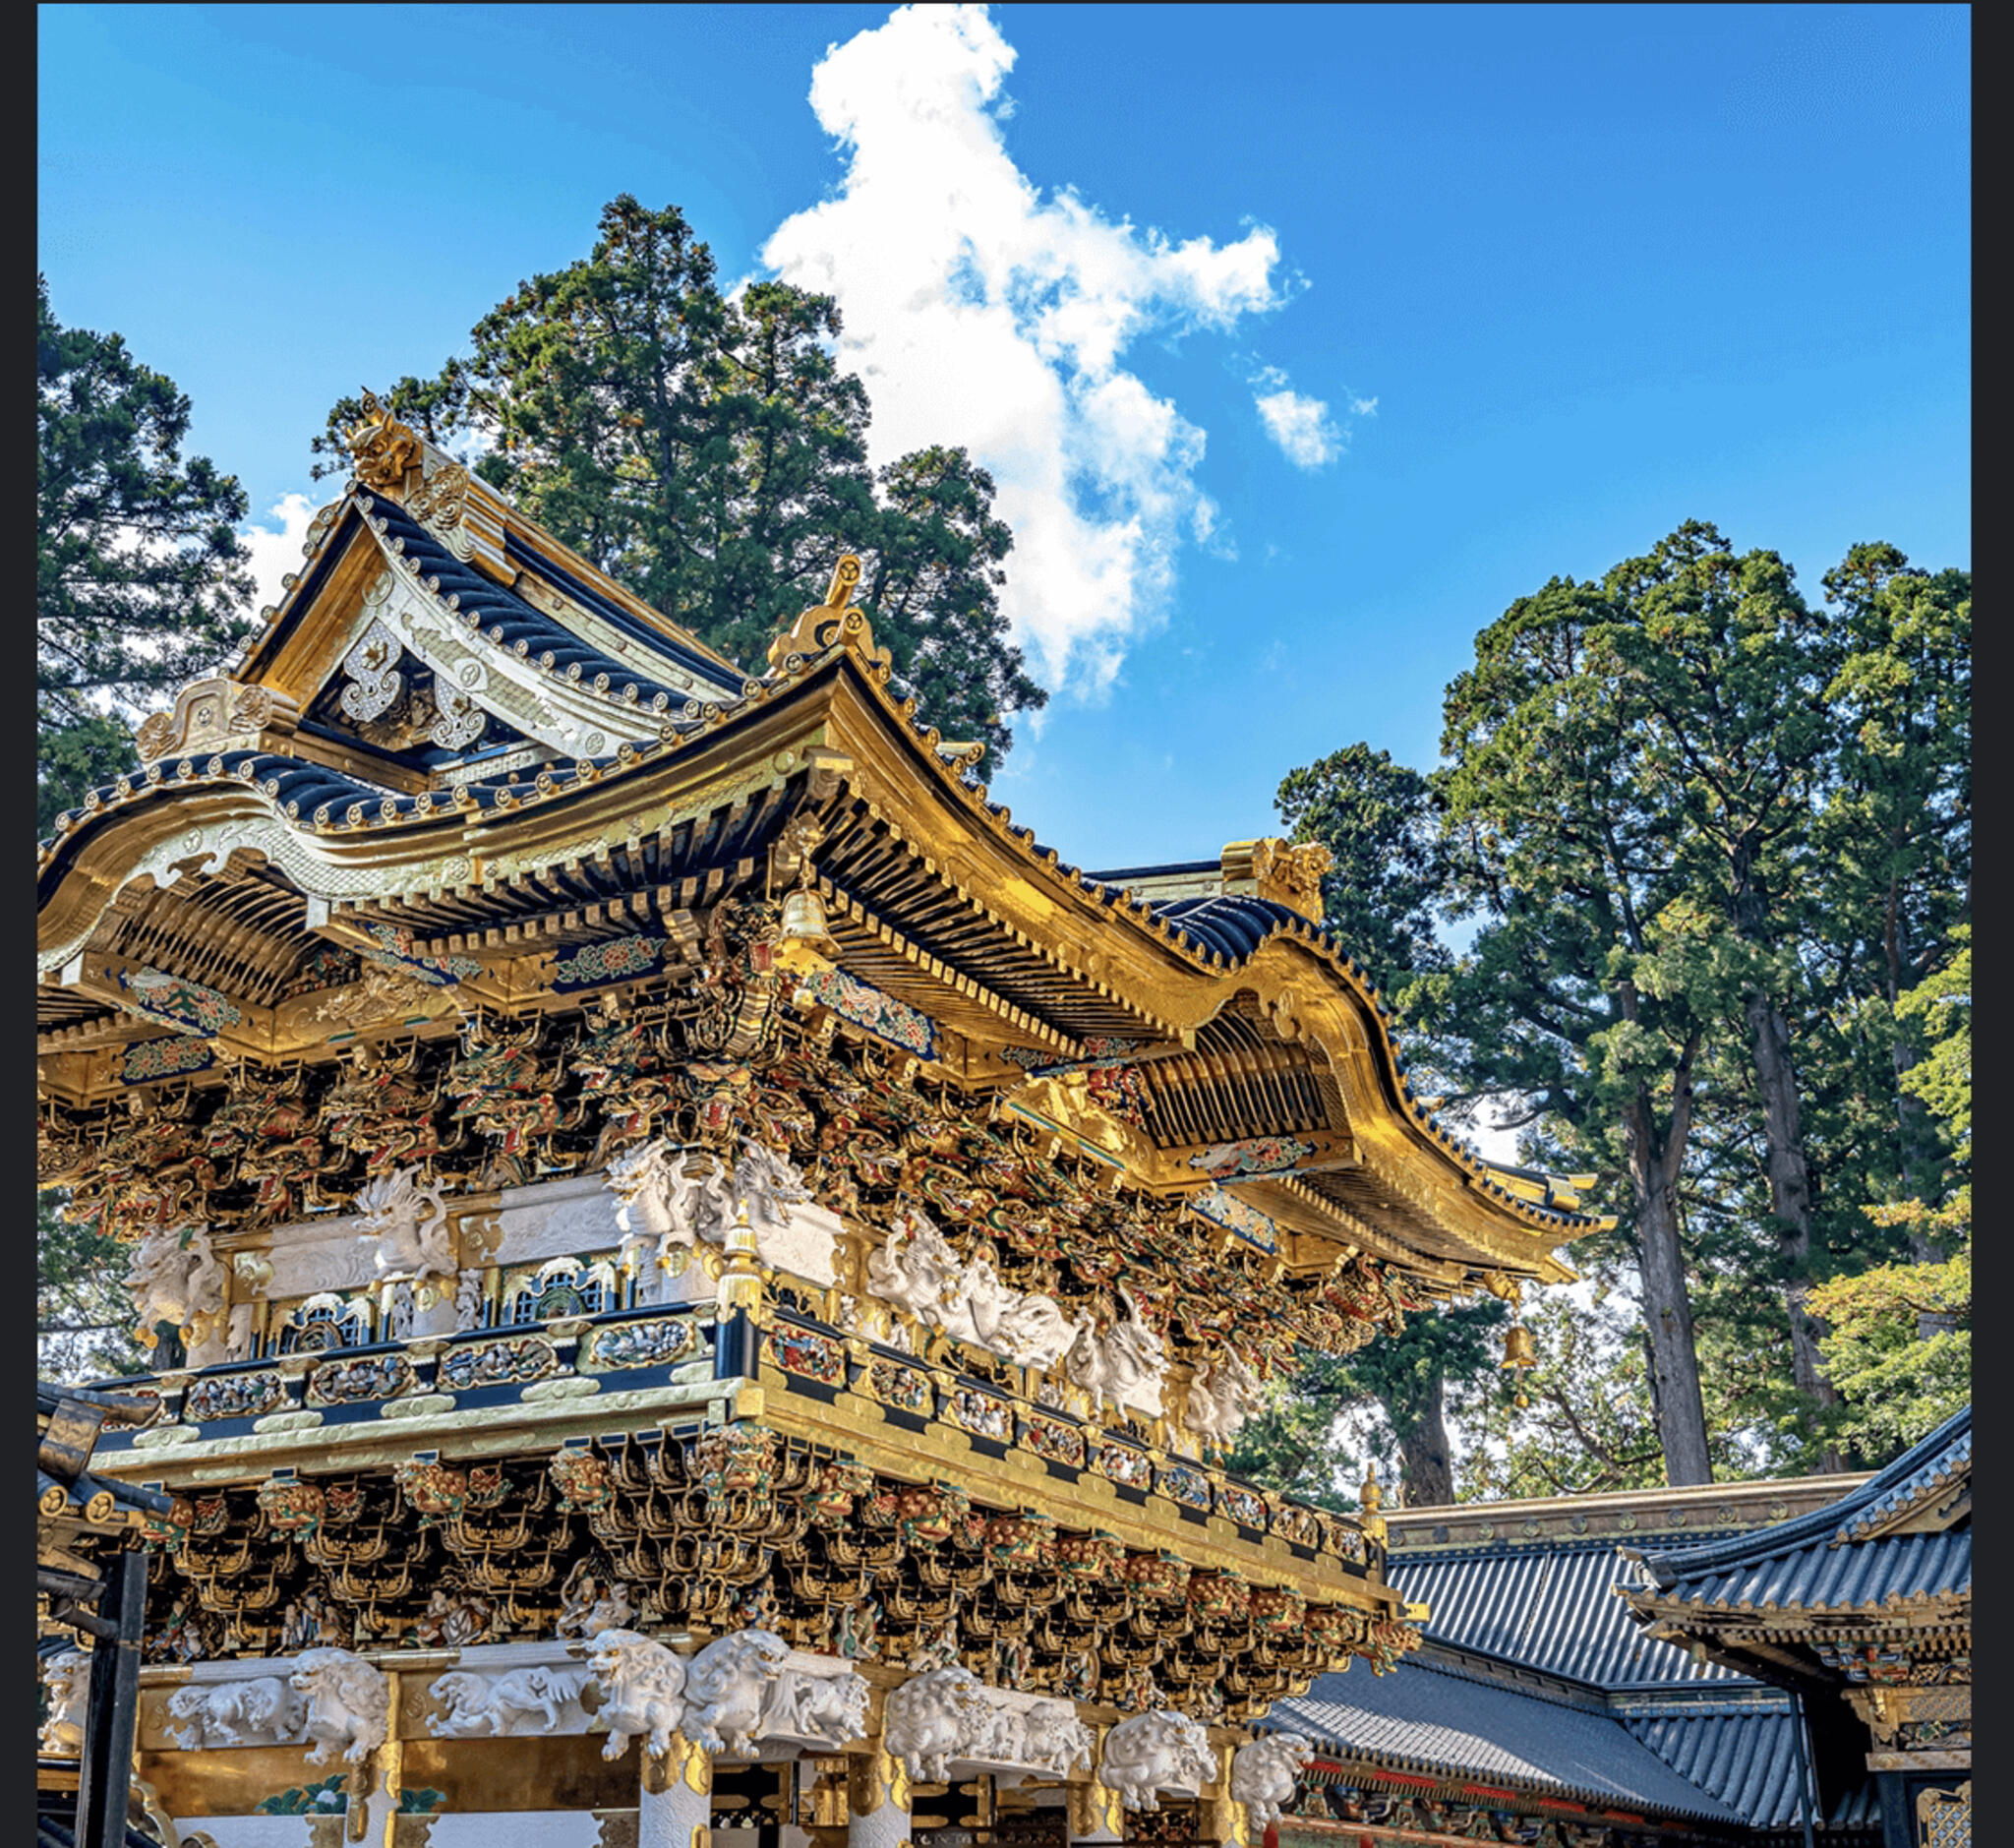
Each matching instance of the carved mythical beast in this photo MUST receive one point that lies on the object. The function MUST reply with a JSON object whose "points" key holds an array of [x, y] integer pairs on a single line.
{"points": [[1263, 1774], [261, 1711], [414, 1236], [350, 1704], [477, 1703], [643, 1685], [727, 1690], [1155, 1752], [68, 1679]]}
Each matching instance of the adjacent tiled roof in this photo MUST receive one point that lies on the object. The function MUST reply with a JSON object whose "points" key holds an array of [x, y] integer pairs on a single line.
{"points": [[1816, 1562], [1551, 1606], [1747, 1757], [1884, 1572], [1942, 1463], [1430, 1717]]}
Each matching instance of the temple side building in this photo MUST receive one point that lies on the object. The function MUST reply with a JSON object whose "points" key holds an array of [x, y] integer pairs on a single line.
{"points": [[700, 1276], [1861, 1609]]}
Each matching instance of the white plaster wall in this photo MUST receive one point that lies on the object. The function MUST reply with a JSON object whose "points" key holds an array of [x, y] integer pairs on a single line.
{"points": [[249, 1831], [513, 1829]]}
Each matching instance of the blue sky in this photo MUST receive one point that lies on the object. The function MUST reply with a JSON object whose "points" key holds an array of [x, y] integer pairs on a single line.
{"points": [[1303, 340]]}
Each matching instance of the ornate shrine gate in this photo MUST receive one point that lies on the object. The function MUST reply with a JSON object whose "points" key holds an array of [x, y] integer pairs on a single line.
{"points": [[702, 1275]]}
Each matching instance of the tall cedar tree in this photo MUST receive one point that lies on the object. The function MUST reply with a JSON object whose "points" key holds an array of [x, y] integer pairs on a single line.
{"points": [[1588, 987], [1728, 668], [710, 456], [141, 580], [1709, 833]]}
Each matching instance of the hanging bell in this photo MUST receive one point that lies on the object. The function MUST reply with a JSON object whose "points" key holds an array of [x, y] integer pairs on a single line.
{"points": [[1520, 1355], [804, 945]]}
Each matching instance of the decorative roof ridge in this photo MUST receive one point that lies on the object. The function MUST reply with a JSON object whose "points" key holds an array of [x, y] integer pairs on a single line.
{"points": [[1604, 1501], [478, 523], [1829, 1523], [426, 578]]}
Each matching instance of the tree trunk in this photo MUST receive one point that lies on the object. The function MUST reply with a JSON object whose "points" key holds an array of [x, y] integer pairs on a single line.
{"points": [[1790, 1196], [1654, 1161], [1426, 1462]]}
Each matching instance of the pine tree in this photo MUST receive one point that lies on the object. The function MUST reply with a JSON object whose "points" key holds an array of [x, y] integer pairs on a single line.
{"points": [[140, 579]]}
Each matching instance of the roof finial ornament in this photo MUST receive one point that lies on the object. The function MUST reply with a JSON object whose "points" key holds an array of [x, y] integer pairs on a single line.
{"points": [[830, 624], [382, 448], [845, 575]]}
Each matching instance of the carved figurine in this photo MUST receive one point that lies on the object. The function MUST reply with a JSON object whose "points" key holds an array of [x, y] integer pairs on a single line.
{"points": [[1155, 1752], [68, 1679], [468, 1300], [1125, 1366], [413, 1234], [263, 1711], [507, 1704], [1265, 1772], [1223, 1395], [350, 1704], [308, 1622], [453, 1620], [591, 1604], [641, 1682]]}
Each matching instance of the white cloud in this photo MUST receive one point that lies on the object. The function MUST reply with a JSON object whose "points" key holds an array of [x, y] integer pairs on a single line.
{"points": [[276, 548], [1301, 426], [981, 312]]}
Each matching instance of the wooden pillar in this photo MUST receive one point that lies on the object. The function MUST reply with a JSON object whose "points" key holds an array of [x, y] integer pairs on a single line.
{"points": [[105, 1774], [675, 1807]]}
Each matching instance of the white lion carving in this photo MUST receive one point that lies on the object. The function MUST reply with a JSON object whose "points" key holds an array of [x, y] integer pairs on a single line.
{"points": [[641, 1684], [68, 1679], [350, 1704], [1155, 1752], [933, 1718], [1222, 1398], [727, 1690], [1126, 1365], [476, 1704], [409, 1225], [1265, 1772], [263, 1711]]}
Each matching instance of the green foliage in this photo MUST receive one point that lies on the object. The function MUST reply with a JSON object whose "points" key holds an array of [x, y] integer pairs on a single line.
{"points": [[140, 576], [708, 453], [329, 1796], [1292, 1446], [1705, 835], [1296, 1444], [1899, 1336], [84, 1318], [1390, 881]]}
